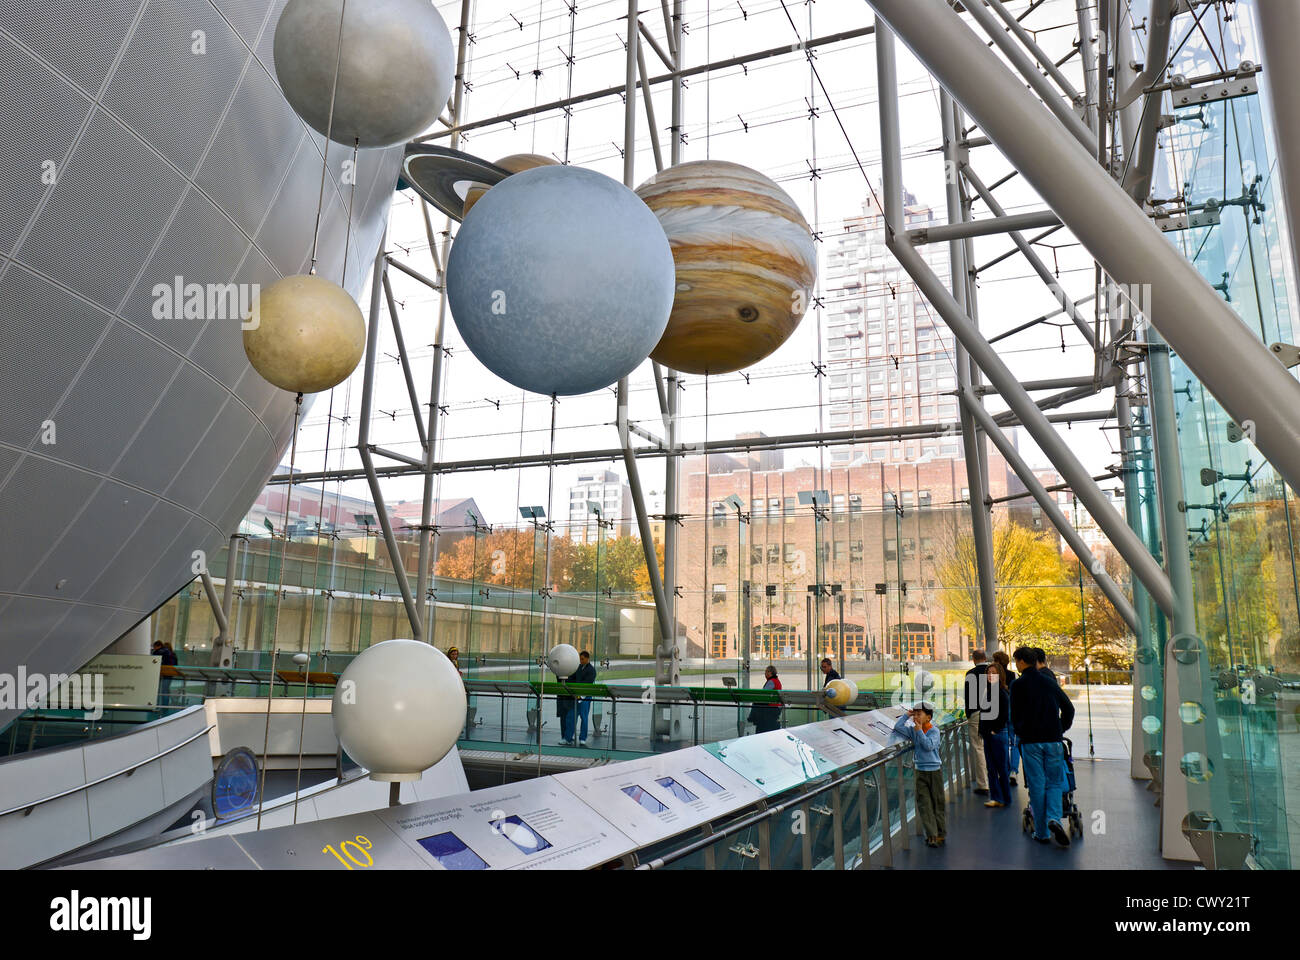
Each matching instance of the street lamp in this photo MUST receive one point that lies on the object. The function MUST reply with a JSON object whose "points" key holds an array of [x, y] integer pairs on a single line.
{"points": [[601, 523], [1087, 686], [742, 595]]}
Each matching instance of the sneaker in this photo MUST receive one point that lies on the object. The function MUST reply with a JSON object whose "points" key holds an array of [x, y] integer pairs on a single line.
{"points": [[1043, 839], [1059, 833], [982, 791], [582, 743], [993, 803], [567, 743]]}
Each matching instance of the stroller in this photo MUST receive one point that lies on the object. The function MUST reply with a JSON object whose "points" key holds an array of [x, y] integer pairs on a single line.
{"points": [[1069, 809]]}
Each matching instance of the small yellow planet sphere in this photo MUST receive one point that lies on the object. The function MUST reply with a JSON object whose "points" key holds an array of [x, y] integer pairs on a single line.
{"points": [[515, 163], [305, 334], [745, 260], [841, 693]]}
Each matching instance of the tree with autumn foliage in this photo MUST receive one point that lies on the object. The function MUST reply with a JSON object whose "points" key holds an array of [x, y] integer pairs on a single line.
{"points": [[1036, 604], [1100, 633]]}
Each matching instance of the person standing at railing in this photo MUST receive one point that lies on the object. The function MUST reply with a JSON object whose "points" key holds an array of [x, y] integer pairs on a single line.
{"points": [[569, 708], [993, 731], [918, 726], [766, 717], [1041, 713], [168, 656], [974, 677], [1013, 743]]}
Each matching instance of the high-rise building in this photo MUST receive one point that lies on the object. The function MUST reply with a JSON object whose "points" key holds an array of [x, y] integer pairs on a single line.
{"points": [[890, 359], [607, 490]]}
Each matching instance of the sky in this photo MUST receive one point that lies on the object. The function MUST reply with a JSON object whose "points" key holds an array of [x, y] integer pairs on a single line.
{"points": [[774, 116]]}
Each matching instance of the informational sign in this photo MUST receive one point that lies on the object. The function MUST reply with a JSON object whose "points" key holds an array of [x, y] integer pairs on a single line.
{"points": [[878, 724], [533, 825], [657, 797], [775, 761], [113, 680], [837, 740]]}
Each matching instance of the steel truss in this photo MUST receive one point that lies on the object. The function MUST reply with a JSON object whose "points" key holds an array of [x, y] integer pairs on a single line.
{"points": [[1059, 139]]}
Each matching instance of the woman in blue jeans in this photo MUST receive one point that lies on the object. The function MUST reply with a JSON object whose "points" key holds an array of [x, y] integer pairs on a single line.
{"points": [[1013, 743], [993, 729]]}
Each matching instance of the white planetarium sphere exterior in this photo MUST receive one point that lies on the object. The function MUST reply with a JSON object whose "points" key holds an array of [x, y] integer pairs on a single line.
{"points": [[560, 280], [399, 708], [841, 693], [562, 660], [394, 74], [185, 184]]}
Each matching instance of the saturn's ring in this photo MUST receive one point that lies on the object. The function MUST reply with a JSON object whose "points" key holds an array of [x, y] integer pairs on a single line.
{"points": [[443, 176]]}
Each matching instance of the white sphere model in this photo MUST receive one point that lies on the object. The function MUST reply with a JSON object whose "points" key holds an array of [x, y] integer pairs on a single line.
{"points": [[305, 334], [394, 75], [563, 660], [399, 708], [560, 280], [841, 693]]}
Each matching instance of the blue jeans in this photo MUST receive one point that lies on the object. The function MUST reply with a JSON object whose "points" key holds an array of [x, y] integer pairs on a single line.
{"points": [[995, 753], [1045, 781], [1013, 750], [584, 712]]}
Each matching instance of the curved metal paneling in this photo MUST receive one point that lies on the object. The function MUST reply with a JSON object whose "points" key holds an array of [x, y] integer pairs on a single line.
{"points": [[135, 154]]}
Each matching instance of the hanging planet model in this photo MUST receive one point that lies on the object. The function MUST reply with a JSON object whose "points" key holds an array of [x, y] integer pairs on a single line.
{"points": [[841, 693], [399, 708], [515, 163], [305, 334], [746, 265], [560, 280], [394, 75]]}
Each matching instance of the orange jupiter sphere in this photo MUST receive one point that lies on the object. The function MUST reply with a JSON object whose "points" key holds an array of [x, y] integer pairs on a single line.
{"points": [[515, 163], [745, 262]]}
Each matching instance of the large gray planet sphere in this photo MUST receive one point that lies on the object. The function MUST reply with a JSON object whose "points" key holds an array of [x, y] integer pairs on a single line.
{"points": [[394, 76], [560, 280]]}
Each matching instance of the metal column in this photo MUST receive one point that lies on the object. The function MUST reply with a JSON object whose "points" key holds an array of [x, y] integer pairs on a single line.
{"points": [[1279, 30], [981, 518]]}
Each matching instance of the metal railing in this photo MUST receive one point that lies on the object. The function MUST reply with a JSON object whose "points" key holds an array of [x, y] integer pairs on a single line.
{"points": [[31, 805], [956, 767]]}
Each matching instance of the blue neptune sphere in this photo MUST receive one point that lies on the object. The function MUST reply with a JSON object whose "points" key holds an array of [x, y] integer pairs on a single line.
{"points": [[560, 280]]}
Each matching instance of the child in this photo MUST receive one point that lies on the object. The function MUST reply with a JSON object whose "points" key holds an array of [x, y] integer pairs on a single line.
{"points": [[917, 725]]}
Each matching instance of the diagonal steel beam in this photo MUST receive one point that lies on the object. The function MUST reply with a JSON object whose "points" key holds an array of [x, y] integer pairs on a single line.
{"points": [[1053, 511], [1207, 334], [1034, 420]]}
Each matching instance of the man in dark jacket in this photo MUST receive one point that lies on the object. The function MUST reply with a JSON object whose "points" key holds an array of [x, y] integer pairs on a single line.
{"points": [[567, 707], [1041, 713], [829, 672]]}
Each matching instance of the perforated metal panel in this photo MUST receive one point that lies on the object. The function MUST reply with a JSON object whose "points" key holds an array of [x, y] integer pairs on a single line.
{"points": [[39, 114], [45, 335], [112, 398], [167, 406], [104, 215], [79, 39], [168, 92]]}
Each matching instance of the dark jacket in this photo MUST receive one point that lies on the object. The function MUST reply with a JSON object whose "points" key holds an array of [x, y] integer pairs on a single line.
{"points": [[1040, 710], [833, 675], [586, 673], [972, 704], [998, 722]]}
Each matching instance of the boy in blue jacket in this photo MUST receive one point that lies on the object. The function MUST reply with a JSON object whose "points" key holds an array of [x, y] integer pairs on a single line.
{"points": [[918, 726]]}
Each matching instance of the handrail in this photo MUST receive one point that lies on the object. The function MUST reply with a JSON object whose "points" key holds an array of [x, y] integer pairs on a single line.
{"points": [[36, 715], [892, 753], [32, 805]]}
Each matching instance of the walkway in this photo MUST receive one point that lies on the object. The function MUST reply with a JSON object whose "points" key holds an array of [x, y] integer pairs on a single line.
{"points": [[1121, 822]]}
